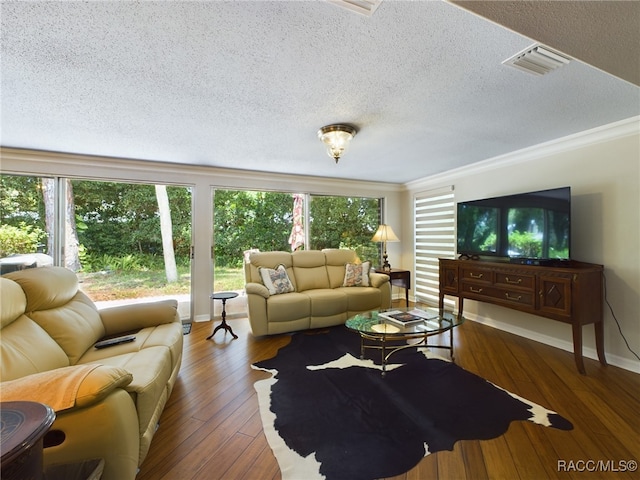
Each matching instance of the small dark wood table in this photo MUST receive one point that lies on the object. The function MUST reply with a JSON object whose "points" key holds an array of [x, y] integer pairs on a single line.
{"points": [[224, 296], [400, 278], [22, 427]]}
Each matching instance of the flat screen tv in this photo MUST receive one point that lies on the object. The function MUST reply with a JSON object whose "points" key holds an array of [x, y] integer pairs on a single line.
{"points": [[527, 228]]}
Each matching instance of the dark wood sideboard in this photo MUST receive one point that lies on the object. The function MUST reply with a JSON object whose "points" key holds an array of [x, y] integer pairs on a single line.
{"points": [[571, 293]]}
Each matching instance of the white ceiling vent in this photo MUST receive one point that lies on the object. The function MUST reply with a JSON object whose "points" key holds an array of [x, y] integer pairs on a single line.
{"points": [[537, 59], [363, 7]]}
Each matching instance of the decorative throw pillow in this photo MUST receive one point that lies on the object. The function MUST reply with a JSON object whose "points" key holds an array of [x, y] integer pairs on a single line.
{"points": [[276, 280], [357, 274]]}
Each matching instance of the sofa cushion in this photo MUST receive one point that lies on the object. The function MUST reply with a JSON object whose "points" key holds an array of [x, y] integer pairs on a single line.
{"points": [[55, 303], [13, 301], [28, 349], [151, 370], [167, 335], [326, 302], [311, 278], [46, 287], [362, 299], [284, 308], [356, 274], [75, 326], [19, 334], [309, 270], [276, 280], [336, 259], [269, 260]]}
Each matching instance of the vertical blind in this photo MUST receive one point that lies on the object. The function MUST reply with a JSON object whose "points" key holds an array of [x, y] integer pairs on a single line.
{"points": [[434, 220]]}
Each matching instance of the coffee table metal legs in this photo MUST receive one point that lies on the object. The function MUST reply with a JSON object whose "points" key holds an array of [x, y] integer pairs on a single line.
{"points": [[380, 343]]}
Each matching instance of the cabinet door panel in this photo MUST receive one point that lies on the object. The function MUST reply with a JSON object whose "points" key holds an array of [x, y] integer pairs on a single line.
{"points": [[449, 278], [555, 294]]}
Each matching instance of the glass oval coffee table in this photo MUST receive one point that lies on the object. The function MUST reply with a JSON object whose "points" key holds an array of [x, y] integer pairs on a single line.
{"points": [[390, 331]]}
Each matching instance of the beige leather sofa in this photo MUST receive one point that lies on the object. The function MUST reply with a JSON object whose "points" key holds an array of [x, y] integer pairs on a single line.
{"points": [[318, 296], [107, 401]]}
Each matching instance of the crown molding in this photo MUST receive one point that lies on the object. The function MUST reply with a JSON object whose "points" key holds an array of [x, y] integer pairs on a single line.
{"points": [[605, 133]]}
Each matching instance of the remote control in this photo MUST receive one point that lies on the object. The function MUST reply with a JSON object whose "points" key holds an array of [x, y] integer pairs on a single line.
{"points": [[115, 341]]}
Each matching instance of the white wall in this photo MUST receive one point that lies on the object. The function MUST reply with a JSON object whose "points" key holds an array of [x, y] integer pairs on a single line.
{"points": [[602, 167], [203, 180]]}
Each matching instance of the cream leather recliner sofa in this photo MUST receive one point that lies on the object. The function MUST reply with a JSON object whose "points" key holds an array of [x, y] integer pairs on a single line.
{"points": [[317, 296], [107, 401]]}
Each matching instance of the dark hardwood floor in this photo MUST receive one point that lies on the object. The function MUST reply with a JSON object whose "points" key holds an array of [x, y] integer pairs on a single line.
{"points": [[211, 427]]}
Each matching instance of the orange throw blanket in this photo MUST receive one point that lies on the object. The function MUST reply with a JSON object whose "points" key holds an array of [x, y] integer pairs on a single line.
{"points": [[57, 388]]}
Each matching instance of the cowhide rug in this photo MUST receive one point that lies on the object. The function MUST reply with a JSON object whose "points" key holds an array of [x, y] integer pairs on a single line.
{"points": [[328, 414]]}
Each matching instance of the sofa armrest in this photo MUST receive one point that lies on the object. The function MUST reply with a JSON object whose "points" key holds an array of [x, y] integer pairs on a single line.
{"points": [[108, 429], [67, 388], [100, 383], [257, 289], [136, 316], [378, 279]]}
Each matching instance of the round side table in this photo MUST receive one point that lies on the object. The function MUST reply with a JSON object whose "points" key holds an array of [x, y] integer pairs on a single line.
{"points": [[224, 296], [22, 428]]}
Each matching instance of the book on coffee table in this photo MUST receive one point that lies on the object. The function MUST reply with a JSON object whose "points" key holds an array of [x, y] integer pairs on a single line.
{"points": [[409, 317]]}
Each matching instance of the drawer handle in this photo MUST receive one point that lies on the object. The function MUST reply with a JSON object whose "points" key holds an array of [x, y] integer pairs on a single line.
{"points": [[473, 275], [509, 297], [513, 282], [475, 290]]}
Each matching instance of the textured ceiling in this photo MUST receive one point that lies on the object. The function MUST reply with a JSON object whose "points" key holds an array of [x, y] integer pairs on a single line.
{"points": [[605, 34], [247, 84]]}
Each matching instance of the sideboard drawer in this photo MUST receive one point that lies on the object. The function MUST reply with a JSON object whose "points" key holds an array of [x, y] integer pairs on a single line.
{"points": [[515, 280], [518, 297], [477, 275], [501, 295]]}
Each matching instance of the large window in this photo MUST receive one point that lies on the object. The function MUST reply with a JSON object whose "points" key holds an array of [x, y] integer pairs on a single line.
{"points": [[134, 240], [272, 221], [245, 220], [125, 241]]}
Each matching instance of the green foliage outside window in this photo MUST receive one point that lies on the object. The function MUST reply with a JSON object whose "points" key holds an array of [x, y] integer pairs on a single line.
{"points": [[18, 239], [119, 219], [345, 222], [246, 220], [118, 226]]}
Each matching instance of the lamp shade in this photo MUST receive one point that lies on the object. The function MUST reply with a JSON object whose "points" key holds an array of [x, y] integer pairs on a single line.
{"points": [[385, 234]]}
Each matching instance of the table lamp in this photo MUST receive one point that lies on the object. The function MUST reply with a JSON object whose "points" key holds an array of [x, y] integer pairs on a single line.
{"points": [[385, 234]]}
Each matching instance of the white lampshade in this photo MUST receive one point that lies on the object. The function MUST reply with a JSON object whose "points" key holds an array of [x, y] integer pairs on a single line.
{"points": [[385, 234]]}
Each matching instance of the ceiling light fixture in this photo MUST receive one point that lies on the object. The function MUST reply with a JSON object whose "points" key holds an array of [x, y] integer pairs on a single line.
{"points": [[336, 138]]}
